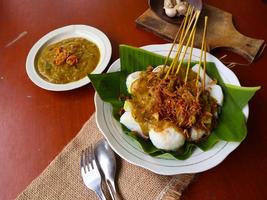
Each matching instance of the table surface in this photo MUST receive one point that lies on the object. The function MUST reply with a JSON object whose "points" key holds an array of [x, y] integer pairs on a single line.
{"points": [[36, 124]]}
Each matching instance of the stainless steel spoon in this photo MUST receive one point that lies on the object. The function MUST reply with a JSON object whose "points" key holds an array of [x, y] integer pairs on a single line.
{"points": [[107, 163]]}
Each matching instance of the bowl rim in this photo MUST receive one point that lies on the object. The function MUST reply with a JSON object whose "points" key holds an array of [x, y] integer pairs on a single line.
{"points": [[160, 165]]}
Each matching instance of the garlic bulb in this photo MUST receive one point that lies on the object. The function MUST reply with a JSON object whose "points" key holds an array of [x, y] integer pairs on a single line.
{"points": [[171, 12], [175, 7], [169, 4], [182, 8]]}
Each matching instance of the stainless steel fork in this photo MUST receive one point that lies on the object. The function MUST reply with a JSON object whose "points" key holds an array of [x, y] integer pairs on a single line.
{"points": [[90, 173]]}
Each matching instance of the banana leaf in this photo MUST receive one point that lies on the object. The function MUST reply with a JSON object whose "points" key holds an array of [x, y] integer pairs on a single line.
{"points": [[231, 123]]}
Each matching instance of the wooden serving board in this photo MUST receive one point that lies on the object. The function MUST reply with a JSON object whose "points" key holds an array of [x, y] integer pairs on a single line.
{"points": [[220, 33]]}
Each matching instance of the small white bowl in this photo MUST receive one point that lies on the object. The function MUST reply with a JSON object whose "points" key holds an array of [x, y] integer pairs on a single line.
{"points": [[87, 32]]}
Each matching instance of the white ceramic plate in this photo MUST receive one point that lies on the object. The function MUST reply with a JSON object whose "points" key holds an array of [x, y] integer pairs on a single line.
{"points": [[129, 150], [87, 32]]}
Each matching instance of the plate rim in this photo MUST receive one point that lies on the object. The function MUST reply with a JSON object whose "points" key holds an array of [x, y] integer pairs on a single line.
{"points": [[40, 82], [203, 166]]}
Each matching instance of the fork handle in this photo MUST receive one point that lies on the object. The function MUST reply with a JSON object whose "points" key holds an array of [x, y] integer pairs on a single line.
{"points": [[100, 194]]}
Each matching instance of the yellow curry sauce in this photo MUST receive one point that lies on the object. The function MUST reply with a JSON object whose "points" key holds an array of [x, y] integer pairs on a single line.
{"points": [[68, 60], [160, 103]]}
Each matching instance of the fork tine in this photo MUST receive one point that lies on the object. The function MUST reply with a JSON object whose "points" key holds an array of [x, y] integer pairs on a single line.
{"points": [[92, 156], [86, 159], [89, 159], [83, 161]]}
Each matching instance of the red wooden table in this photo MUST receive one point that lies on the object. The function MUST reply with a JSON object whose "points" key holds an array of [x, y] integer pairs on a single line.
{"points": [[36, 124]]}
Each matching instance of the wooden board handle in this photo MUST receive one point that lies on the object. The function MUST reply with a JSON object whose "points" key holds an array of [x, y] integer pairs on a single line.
{"points": [[248, 47], [227, 36]]}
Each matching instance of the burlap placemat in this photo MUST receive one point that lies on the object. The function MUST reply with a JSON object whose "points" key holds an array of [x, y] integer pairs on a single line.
{"points": [[62, 180]]}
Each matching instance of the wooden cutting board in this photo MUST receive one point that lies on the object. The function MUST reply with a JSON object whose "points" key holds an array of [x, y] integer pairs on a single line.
{"points": [[220, 33]]}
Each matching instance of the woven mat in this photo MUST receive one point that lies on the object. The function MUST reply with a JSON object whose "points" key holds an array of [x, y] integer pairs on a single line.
{"points": [[62, 180]]}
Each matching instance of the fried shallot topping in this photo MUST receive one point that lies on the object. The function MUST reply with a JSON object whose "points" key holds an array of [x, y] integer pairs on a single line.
{"points": [[156, 99], [62, 56], [174, 101]]}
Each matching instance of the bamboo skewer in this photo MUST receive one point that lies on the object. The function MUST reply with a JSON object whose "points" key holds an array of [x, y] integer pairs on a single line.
{"points": [[182, 40], [202, 47], [204, 66], [174, 42], [190, 57], [186, 47], [221, 58], [191, 16], [194, 19], [180, 44], [231, 65], [189, 22], [188, 41], [187, 30], [189, 11]]}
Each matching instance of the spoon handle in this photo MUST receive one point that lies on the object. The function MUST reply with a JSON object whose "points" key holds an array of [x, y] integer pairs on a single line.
{"points": [[100, 194], [117, 196], [112, 191]]}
